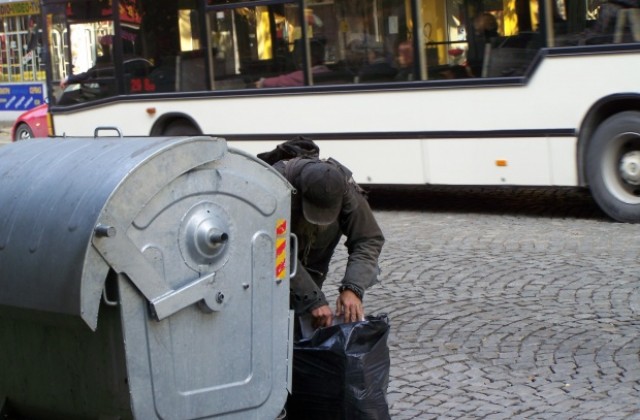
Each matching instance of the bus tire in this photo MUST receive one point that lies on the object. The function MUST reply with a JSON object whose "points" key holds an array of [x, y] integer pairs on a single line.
{"points": [[613, 166], [181, 128], [23, 132]]}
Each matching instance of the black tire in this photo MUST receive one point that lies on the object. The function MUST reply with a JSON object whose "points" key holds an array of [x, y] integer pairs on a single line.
{"points": [[181, 128], [23, 132], [613, 166]]}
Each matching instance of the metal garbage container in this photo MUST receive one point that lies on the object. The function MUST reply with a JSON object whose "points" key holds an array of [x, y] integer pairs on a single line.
{"points": [[142, 278]]}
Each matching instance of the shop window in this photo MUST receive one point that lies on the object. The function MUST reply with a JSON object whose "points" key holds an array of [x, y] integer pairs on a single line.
{"points": [[21, 45]]}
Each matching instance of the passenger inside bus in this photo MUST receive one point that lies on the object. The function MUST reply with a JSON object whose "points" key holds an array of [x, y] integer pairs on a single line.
{"points": [[102, 65], [378, 67], [484, 38], [405, 62]]}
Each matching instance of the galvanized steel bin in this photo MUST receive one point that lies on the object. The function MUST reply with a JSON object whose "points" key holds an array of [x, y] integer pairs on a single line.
{"points": [[142, 278]]}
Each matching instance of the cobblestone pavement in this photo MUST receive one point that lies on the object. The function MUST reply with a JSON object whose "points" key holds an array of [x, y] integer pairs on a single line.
{"points": [[507, 303]]}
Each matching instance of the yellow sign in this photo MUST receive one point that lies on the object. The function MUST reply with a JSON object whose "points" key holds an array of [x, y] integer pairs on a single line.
{"points": [[20, 9]]}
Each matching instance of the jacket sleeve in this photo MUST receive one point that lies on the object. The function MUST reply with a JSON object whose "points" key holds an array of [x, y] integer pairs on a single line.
{"points": [[305, 295], [295, 78], [79, 78], [364, 241]]}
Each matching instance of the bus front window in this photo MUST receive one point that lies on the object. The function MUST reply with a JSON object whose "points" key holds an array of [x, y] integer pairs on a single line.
{"points": [[90, 74]]}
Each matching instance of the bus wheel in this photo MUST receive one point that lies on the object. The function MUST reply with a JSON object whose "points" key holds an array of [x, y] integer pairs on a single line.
{"points": [[181, 128], [613, 166], [23, 132]]}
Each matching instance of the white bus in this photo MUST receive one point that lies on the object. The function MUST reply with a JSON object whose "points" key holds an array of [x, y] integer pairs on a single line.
{"points": [[447, 92]]}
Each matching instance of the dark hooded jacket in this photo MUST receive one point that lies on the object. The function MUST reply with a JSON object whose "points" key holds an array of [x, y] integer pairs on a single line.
{"points": [[316, 244]]}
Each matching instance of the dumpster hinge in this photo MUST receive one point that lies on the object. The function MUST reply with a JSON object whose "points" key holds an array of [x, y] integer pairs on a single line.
{"points": [[125, 258]]}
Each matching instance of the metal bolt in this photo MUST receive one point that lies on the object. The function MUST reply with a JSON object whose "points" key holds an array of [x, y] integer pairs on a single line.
{"points": [[220, 297], [105, 231], [217, 237]]}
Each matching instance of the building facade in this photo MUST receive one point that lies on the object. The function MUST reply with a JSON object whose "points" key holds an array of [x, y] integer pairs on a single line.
{"points": [[22, 72]]}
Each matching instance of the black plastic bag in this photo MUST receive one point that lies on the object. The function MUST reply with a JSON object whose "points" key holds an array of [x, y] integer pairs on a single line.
{"points": [[342, 373]]}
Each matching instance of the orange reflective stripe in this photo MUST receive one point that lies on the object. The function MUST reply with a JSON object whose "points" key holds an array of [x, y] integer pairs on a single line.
{"points": [[281, 249], [281, 227]]}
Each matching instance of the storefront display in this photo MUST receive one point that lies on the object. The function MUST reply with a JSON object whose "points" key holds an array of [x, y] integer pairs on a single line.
{"points": [[21, 66]]}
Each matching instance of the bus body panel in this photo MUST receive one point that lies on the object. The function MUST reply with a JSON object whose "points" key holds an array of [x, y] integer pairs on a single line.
{"points": [[465, 155], [508, 161], [459, 92], [556, 97]]}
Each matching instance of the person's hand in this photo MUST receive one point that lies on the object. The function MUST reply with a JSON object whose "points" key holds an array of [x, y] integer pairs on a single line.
{"points": [[260, 83], [63, 83], [349, 305], [322, 316]]}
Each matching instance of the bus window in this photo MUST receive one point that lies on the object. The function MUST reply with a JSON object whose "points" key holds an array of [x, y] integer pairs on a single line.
{"points": [[595, 22], [91, 73], [190, 62], [375, 40], [90, 30], [482, 38], [250, 43], [87, 10], [332, 42], [58, 60], [171, 40]]}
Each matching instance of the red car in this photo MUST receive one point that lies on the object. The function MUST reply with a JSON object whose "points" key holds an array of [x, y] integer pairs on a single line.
{"points": [[31, 124]]}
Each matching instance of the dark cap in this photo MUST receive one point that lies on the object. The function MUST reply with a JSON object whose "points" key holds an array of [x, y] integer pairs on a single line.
{"points": [[322, 186]]}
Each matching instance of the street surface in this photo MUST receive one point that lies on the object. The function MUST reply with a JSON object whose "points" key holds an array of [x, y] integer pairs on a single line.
{"points": [[5, 132], [505, 304]]}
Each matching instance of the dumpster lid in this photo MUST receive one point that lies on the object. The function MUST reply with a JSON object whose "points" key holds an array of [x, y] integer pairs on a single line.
{"points": [[54, 194]]}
